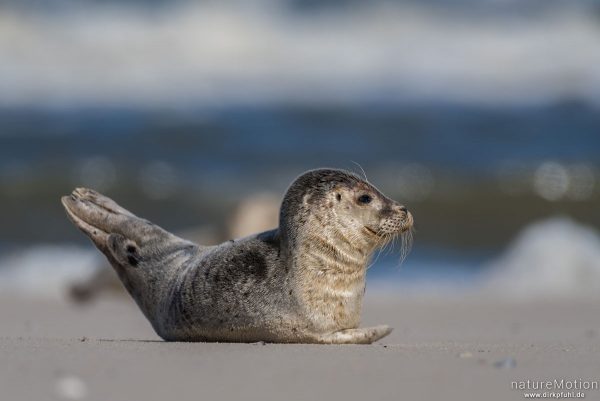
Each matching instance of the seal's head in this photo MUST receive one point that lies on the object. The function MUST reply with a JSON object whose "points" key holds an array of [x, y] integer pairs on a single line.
{"points": [[340, 204]]}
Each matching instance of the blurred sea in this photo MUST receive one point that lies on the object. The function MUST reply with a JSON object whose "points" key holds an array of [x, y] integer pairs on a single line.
{"points": [[482, 116], [218, 53], [460, 167]]}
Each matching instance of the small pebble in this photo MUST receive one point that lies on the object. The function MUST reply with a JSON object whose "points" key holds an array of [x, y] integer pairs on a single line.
{"points": [[507, 363], [465, 355], [71, 388]]}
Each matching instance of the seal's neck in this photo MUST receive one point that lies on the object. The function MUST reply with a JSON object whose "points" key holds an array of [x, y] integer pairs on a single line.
{"points": [[329, 272]]}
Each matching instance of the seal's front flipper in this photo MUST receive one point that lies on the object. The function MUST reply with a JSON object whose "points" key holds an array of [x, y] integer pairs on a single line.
{"points": [[366, 335]]}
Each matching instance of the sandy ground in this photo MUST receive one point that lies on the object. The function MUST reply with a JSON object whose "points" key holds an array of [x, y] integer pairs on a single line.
{"points": [[440, 349]]}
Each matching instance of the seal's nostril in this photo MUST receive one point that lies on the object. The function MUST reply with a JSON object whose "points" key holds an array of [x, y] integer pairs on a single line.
{"points": [[403, 209]]}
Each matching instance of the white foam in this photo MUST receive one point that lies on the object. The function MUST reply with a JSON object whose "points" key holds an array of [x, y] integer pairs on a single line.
{"points": [[552, 258], [218, 52], [45, 270]]}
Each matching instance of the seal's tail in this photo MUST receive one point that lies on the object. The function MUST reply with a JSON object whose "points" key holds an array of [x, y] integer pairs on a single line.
{"points": [[136, 248]]}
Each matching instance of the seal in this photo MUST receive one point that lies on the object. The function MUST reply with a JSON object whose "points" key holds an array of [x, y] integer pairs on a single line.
{"points": [[302, 282]]}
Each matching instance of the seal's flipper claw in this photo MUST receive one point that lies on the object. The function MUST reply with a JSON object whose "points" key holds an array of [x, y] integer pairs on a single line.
{"points": [[102, 201], [98, 236], [95, 213]]}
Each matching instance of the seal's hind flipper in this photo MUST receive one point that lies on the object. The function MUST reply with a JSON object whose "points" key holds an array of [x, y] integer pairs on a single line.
{"points": [[98, 216], [136, 248], [118, 233]]}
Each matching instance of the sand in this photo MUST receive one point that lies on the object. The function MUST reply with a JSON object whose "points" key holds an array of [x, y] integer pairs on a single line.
{"points": [[451, 349]]}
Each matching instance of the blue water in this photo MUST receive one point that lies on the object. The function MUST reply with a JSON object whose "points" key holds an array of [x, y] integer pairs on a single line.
{"points": [[468, 140]]}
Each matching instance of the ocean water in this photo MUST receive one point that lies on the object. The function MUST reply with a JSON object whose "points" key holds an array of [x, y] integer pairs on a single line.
{"points": [[454, 166]]}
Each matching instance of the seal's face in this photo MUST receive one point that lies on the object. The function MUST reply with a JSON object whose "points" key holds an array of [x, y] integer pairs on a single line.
{"points": [[370, 212], [343, 209]]}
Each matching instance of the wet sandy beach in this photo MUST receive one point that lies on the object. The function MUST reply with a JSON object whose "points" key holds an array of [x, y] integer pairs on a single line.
{"points": [[455, 349]]}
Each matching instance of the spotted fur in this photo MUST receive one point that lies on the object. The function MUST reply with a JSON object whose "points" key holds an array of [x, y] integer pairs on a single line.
{"points": [[301, 282]]}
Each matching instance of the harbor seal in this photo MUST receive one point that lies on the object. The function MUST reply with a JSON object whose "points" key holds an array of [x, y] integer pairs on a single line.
{"points": [[302, 282]]}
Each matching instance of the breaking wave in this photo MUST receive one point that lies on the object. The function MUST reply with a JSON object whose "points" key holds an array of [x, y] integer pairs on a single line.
{"points": [[552, 258], [45, 270], [216, 53]]}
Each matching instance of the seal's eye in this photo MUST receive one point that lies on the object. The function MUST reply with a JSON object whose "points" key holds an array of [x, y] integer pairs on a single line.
{"points": [[365, 199], [338, 197]]}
